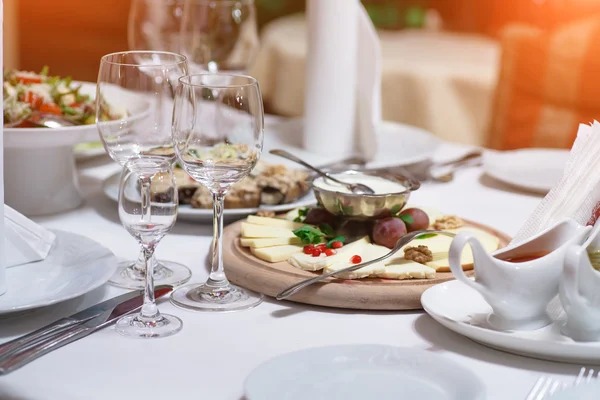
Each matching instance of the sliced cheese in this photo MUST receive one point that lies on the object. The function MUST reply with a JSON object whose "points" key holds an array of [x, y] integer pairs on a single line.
{"points": [[440, 245], [276, 253], [367, 253], [269, 242], [407, 269], [278, 222], [262, 231], [309, 263]]}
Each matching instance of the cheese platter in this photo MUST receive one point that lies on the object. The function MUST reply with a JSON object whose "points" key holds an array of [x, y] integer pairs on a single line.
{"points": [[270, 254]]}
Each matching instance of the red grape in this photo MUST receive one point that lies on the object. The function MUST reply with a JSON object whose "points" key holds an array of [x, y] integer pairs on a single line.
{"points": [[419, 217], [318, 216], [387, 231]]}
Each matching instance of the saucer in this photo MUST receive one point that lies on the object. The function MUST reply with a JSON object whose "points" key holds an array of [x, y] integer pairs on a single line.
{"points": [[358, 372], [464, 311]]}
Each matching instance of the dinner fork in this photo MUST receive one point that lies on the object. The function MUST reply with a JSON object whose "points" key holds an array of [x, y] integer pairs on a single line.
{"points": [[546, 386]]}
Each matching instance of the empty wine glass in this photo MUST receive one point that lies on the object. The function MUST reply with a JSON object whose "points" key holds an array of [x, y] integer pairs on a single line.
{"points": [[148, 210], [218, 138], [134, 109], [219, 35], [155, 25]]}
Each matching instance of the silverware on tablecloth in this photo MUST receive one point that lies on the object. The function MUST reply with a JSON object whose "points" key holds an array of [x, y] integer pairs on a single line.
{"points": [[404, 240], [21, 351], [356, 188], [546, 386]]}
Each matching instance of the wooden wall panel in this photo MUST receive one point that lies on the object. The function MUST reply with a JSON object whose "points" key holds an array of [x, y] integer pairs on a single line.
{"points": [[70, 36]]}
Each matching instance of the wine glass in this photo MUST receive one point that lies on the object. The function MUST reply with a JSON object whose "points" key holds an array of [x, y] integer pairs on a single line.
{"points": [[155, 25], [219, 35], [134, 109], [148, 210], [218, 139]]}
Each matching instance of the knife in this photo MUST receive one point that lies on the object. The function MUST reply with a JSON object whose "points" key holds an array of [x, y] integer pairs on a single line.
{"points": [[21, 351]]}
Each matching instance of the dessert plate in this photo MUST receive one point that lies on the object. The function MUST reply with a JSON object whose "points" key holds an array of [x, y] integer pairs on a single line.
{"points": [[75, 265], [464, 311], [353, 372], [188, 213], [398, 144], [586, 391], [535, 170]]}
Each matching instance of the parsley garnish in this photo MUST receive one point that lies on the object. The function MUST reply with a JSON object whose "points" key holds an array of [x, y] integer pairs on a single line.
{"points": [[327, 230], [309, 235], [408, 219], [425, 236], [302, 212]]}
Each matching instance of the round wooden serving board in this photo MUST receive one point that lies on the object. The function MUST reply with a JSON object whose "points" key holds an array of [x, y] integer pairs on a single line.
{"points": [[248, 271]]}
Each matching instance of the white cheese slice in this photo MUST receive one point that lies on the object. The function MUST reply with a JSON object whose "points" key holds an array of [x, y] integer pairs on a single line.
{"points": [[276, 253], [281, 223], [309, 263], [368, 253], [407, 269], [261, 231], [269, 242], [439, 246]]}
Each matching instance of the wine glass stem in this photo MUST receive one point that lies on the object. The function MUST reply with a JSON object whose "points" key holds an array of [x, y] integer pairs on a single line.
{"points": [[149, 310], [217, 276]]}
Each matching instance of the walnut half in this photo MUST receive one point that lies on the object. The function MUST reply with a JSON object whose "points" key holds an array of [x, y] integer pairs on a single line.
{"points": [[448, 222], [420, 254]]}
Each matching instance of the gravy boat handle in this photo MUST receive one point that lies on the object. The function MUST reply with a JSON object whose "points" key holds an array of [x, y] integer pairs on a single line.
{"points": [[575, 255], [455, 256]]}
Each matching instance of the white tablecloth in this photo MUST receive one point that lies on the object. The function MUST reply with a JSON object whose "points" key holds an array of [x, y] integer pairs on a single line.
{"points": [[439, 81], [213, 354]]}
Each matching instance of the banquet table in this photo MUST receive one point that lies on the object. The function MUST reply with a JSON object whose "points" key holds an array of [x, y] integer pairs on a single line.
{"points": [[214, 353], [440, 81]]}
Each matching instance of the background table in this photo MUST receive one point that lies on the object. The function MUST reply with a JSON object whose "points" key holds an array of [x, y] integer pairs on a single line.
{"points": [[213, 354], [441, 82]]}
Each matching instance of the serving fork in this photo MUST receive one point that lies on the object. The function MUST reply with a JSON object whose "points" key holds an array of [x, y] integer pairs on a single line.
{"points": [[546, 386]]}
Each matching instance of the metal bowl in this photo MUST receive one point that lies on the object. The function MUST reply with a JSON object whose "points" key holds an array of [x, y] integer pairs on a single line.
{"points": [[365, 206]]}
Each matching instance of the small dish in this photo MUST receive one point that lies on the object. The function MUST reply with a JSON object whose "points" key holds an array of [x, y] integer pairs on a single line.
{"points": [[365, 206], [586, 391], [353, 372]]}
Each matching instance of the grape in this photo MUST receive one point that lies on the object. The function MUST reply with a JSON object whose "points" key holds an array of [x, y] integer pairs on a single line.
{"points": [[420, 219], [318, 216], [387, 231]]}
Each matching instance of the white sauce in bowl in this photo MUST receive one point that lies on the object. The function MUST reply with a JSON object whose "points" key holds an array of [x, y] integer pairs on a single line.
{"points": [[378, 184]]}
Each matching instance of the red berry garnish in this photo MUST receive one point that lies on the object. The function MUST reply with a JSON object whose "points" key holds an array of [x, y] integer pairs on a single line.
{"points": [[308, 249], [330, 252], [316, 252], [356, 259], [337, 244], [322, 247]]}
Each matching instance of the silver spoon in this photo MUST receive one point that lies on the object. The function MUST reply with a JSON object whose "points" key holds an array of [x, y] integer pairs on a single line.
{"points": [[399, 244], [356, 188]]}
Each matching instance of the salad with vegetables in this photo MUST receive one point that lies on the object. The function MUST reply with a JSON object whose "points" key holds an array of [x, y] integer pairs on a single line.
{"points": [[27, 93]]}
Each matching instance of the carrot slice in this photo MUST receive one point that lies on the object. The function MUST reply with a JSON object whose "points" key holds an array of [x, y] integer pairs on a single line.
{"points": [[50, 108]]}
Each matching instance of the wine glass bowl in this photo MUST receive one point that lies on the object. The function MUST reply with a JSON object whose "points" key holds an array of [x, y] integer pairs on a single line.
{"points": [[219, 35], [155, 25], [217, 138], [148, 210]]}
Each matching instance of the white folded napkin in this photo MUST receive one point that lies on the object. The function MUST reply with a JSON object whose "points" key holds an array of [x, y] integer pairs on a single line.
{"points": [[342, 102], [25, 241], [578, 191]]}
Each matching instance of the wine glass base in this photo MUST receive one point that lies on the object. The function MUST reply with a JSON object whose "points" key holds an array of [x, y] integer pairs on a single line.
{"points": [[208, 298], [135, 326], [165, 273]]}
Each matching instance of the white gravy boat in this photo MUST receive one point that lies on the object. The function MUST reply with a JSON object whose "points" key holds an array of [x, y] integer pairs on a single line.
{"points": [[518, 291], [579, 291]]}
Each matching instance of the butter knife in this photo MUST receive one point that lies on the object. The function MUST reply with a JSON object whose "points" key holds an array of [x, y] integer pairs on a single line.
{"points": [[21, 351]]}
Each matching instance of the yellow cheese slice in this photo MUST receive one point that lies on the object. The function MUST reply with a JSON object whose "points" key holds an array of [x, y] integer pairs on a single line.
{"points": [[269, 242], [276, 253], [281, 223], [406, 269], [439, 246], [309, 263], [262, 231]]}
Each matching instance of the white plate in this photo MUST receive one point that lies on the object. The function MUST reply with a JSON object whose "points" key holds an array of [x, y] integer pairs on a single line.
{"points": [[74, 266], [463, 310], [534, 170], [398, 144], [353, 372], [83, 151], [188, 213], [586, 391]]}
